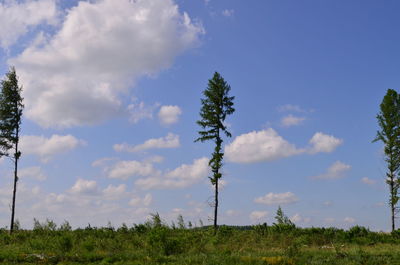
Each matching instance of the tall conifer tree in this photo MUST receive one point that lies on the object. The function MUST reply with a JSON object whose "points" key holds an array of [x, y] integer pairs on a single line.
{"points": [[216, 106], [10, 121], [389, 134]]}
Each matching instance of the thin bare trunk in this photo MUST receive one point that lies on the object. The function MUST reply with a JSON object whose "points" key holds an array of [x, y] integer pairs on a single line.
{"points": [[392, 204], [216, 206], [16, 157]]}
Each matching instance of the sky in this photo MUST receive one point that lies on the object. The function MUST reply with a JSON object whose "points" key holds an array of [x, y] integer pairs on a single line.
{"points": [[112, 93]]}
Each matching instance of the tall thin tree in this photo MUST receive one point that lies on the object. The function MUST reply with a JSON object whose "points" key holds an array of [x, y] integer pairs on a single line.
{"points": [[10, 121], [389, 134], [216, 106]]}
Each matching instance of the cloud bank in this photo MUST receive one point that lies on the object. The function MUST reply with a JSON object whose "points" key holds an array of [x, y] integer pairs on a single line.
{"points": [[77, 76]]}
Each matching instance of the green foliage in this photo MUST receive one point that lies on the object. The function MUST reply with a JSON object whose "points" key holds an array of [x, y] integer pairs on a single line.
{"points": [[65, 243], [10, 121], [10, 112], [283, 222], [159, 244], [215, 107], [155, 221], [389, 133], [181, 222], [48, 225], [161, 241], [65, 226], [261, 229]]}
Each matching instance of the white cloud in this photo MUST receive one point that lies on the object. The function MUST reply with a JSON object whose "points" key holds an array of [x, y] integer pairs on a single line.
{"points": [[114, 192], [127, 169], [257, 216], [99, 205], [335, 171], [140, 111], [103, 161], [46, 148], [291, 120], [290, 107], [349, 220], [368, 181], [324, 143], [17, 18], [169, 141], [265, 145], [181, 177], [32, 172], [228, 12], [154, 159], [137, 201], [87, 187], [268, 145], [169, 114], [77, 76], [297, 218], [277, 198]]}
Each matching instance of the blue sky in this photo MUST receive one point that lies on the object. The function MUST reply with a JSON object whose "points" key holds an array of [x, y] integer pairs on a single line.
{"points": [[112, 93]]}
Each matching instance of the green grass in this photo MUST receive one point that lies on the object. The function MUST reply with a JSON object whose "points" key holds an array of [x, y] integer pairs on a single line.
{"points": [[155, 243]]}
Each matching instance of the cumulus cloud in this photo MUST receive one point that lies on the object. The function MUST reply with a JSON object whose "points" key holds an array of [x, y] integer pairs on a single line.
{"points": [[87, 187], [265, 145], [181, 177], [46, 148], [102, 162], [335, 171], [324, 143], [169, 114], [368, 181], [169, 141], [268, 145], [17, 18], [140, 111], [77, 76], [127, 169], [138, 201], [291, 120], [257, 216], [114, 192], [277, 198], [32, 172], [85, 196], [298, 218]]}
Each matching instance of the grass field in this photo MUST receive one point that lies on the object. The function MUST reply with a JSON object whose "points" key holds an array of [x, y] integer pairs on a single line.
{"points": [[157, 243]]}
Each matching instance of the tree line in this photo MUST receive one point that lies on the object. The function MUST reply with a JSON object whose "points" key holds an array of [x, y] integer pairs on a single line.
{"points": [[216, 106]]}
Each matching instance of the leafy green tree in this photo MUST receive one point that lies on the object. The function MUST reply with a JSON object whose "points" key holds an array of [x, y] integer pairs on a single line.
{"points": [[281, 218], [389, 134], [216, 106], [10, 121], [181, 222]]}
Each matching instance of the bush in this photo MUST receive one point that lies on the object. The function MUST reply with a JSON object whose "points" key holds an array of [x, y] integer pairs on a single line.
{"points": [[65, 243], [357, 231], [161, 241]]}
